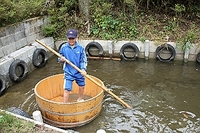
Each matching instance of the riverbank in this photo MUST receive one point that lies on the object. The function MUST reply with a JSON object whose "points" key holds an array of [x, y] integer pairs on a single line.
{"points": [[11, 122]]}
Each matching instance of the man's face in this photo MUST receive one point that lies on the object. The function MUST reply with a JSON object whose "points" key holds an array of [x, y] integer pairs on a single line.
{"points": [[72, 41]]}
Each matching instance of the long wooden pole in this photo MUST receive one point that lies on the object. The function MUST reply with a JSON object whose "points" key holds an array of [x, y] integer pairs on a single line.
{"points": [[87, 76]]}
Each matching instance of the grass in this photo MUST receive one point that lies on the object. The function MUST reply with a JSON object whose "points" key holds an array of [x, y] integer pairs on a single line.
{"points": [[11, 124], [159, 27]]}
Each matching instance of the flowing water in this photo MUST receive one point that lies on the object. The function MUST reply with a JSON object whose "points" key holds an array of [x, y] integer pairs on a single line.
{"points": [[164, 96]]}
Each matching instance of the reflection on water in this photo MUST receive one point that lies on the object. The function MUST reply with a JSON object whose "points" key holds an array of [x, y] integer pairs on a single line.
{"points": [[164, 96]]}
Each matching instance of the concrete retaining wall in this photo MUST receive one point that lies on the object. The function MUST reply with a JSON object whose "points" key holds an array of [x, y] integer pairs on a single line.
{"points": [[112, 48], [18, 42], [18, 35]]}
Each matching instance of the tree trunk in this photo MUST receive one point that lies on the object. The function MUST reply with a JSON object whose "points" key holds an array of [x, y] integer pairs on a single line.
{"points": [[84, 11]]}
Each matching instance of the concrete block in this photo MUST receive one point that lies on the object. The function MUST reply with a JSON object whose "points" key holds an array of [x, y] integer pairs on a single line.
{"points": [[19, 27], [21, 53], [10, 30], [40, 23], [51, 45], [31, 27], [6, 40], [19, 35], [5, 64], [29, 31], [30, 51], [21, 43], [31, 38], [48, 41], [9, 48], [30, 65], [36, 29], [152, 47]]}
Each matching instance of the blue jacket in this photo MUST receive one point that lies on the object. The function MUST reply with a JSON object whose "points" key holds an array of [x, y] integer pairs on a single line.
{"points": [[76, 56]]}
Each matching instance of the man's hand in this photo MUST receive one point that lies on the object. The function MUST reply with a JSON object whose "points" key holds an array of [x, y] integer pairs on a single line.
{"points": [[62, 59]]}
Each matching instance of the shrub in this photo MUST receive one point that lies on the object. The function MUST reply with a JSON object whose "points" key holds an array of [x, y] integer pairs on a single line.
{"points": [[17, 11]]}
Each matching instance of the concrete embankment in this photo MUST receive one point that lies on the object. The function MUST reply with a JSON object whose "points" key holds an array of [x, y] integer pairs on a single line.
{"points": [[146, 50], [17, 45]]}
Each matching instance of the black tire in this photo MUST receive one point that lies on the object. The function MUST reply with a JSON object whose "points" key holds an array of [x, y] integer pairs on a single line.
{"points": [[170, 50], [61, 45], [18, 70], [40, 58], [96, 45], [2, 84], [198, 58], [130, 48], [18, 111]]}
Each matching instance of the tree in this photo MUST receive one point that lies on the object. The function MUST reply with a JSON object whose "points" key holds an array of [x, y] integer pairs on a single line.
{"points": [[84, 11]]}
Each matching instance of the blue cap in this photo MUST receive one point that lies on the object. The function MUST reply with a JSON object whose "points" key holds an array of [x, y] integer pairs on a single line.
{"points": [[72, 33]]}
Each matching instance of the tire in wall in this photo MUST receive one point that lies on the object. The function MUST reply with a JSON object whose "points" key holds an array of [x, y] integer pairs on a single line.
{"points": [[18, 111], [165, 53], [18, 70], [198, 57], [129, 51], [2, 84], [95, 46], [61, 46], [40, 58]]}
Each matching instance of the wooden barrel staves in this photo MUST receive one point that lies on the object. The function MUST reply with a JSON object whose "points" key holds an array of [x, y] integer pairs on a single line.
{"points": [[49, 98]]}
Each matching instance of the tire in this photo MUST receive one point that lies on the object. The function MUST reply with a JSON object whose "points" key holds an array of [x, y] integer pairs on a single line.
{"points": [[162, 49], [40, 58], [61, 46], [96, 45], [198, 58], [2, 84], [129, 48], [18, 111], [18, 70]]}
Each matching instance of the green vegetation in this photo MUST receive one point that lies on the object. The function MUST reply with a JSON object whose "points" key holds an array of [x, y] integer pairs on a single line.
{"points": [[156, 20], [13, 11], [11, 124]]}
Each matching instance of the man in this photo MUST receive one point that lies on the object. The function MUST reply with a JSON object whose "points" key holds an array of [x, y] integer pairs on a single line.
{"points": [[75, 53]]}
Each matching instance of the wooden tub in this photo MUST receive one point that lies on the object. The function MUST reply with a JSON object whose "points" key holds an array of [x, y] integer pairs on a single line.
{"points": [[49, 98]]}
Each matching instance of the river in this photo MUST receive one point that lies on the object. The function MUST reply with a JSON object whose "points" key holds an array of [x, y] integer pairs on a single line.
{"points": [[164, 96]]}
